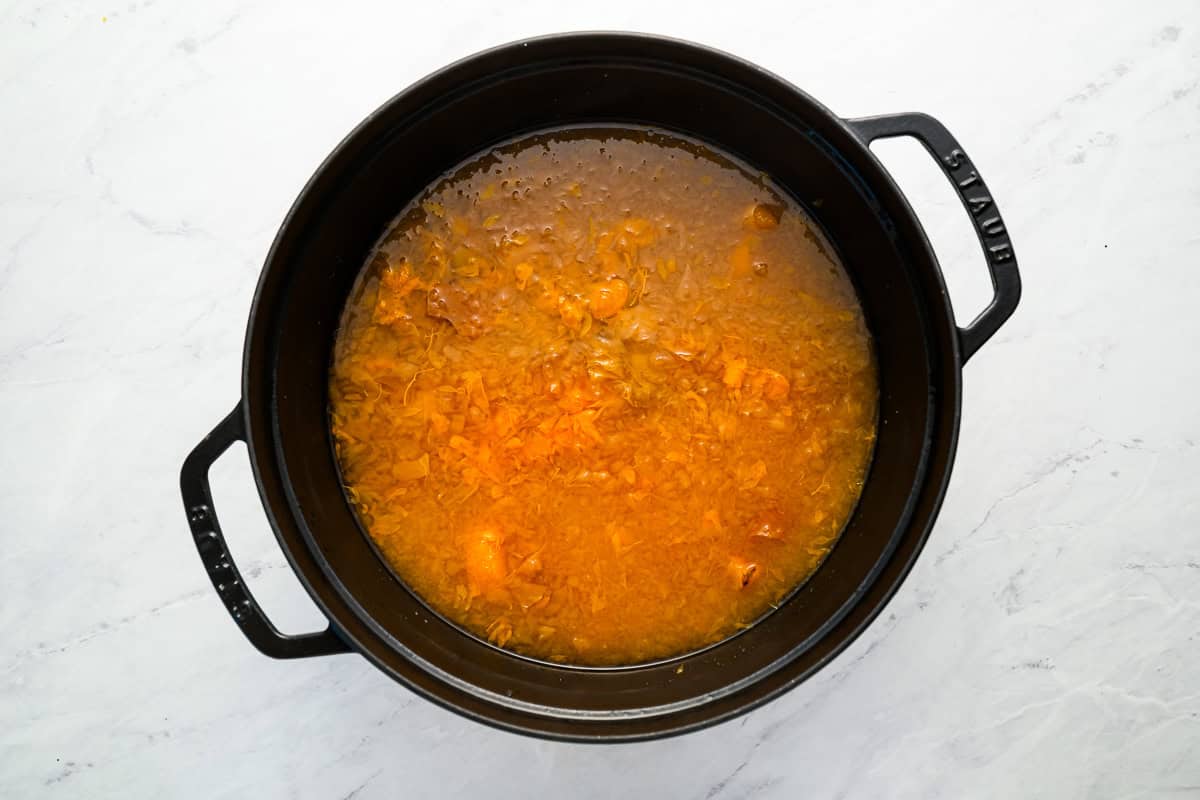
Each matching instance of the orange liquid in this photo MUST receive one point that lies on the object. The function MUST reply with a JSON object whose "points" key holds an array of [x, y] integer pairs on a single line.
{"points": [[602, 396]]}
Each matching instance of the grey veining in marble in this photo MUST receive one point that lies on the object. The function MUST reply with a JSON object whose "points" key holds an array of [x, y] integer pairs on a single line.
{"points": [[1047, 645]]}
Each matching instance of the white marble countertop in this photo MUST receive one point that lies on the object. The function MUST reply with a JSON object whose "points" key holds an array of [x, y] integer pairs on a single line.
{"points": [[1048, 642]]}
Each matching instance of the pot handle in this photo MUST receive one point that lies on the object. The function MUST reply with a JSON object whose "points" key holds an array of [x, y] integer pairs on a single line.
{"points": [[202, 517], [993, 236]]}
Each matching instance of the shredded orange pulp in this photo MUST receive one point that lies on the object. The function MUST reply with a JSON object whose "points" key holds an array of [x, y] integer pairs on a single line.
{"points": [[602, 396]]}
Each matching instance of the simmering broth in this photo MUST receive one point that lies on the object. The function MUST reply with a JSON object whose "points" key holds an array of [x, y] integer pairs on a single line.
{"points": [[603, 395]]}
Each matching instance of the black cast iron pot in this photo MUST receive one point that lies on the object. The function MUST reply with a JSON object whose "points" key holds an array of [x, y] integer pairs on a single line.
{"points": [[543, 83]]}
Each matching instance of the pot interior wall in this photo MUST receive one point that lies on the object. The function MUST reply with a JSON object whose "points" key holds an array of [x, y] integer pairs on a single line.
{"points": [[406, 145]]}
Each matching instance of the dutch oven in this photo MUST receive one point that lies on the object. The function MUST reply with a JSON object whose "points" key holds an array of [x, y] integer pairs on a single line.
{"points": [[489, 98]]}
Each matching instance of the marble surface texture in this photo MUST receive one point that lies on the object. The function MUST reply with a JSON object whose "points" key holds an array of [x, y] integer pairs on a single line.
{"points": [[1047, 644]]}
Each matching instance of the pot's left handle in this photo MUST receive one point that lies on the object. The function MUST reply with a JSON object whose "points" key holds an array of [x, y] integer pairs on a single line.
{"points": [[206, 531]]}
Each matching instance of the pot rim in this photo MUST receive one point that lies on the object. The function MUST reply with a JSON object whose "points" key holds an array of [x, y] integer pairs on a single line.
{"points": [[268, 470]]}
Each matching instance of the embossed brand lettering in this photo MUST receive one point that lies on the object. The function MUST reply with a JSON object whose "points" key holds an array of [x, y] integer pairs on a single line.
{"points": [[992, 226], [971, 179], [979, 204], [956, 159]]}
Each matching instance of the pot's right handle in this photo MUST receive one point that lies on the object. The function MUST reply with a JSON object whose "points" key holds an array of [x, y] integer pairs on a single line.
{"points": [[993, 236], [202, 517]]}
